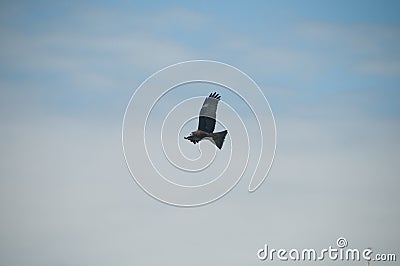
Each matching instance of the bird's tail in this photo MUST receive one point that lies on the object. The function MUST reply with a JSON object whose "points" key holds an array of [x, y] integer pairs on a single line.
{"points": [[219, 138]]}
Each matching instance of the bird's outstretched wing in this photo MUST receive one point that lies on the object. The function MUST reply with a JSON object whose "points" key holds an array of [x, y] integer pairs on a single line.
{"points": [[208, 113]]}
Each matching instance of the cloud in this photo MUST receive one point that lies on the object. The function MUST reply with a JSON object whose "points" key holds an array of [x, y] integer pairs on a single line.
{"points": [[371, 48], [391, 68], [67, 67], [65, 188]]}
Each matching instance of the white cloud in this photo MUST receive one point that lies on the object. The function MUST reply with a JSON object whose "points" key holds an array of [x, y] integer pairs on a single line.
{"points": [[370, 48], [389, 67]]}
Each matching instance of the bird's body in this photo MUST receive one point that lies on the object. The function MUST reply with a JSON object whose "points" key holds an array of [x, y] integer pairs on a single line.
{"points": [[207, 120], [198, 135]]}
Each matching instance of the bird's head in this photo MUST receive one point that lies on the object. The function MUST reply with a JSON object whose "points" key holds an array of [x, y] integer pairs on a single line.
{"points": [[191, 137]]}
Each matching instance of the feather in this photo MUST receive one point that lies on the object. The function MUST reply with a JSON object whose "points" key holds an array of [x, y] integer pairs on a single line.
{"points": [[208, 113]]}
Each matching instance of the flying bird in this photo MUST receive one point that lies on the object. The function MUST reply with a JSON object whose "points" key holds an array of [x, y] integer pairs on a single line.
{"points": [[207, 120]]}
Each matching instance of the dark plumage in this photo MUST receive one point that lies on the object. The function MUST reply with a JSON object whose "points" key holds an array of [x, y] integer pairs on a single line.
{"points": [[207, 120]]}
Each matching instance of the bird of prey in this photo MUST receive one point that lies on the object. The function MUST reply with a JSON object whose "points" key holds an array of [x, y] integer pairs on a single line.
{"points": [[207, 120]]}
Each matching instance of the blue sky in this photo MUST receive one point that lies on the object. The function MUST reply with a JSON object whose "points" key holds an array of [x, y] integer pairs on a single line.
{"points": [[330, 71], [312, 42]]}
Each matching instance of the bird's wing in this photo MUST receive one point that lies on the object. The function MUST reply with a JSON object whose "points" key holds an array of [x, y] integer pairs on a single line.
{"points": [[208, 113]]}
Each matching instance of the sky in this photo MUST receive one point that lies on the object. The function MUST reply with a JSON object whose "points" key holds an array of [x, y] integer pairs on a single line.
{"points": [[330, 72]]}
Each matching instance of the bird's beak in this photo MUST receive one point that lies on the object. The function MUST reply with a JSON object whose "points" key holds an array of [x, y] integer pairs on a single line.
{"points": [[188, 137]]}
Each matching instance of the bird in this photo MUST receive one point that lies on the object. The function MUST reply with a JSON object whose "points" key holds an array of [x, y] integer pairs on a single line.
{"points": [[207, 120]]}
